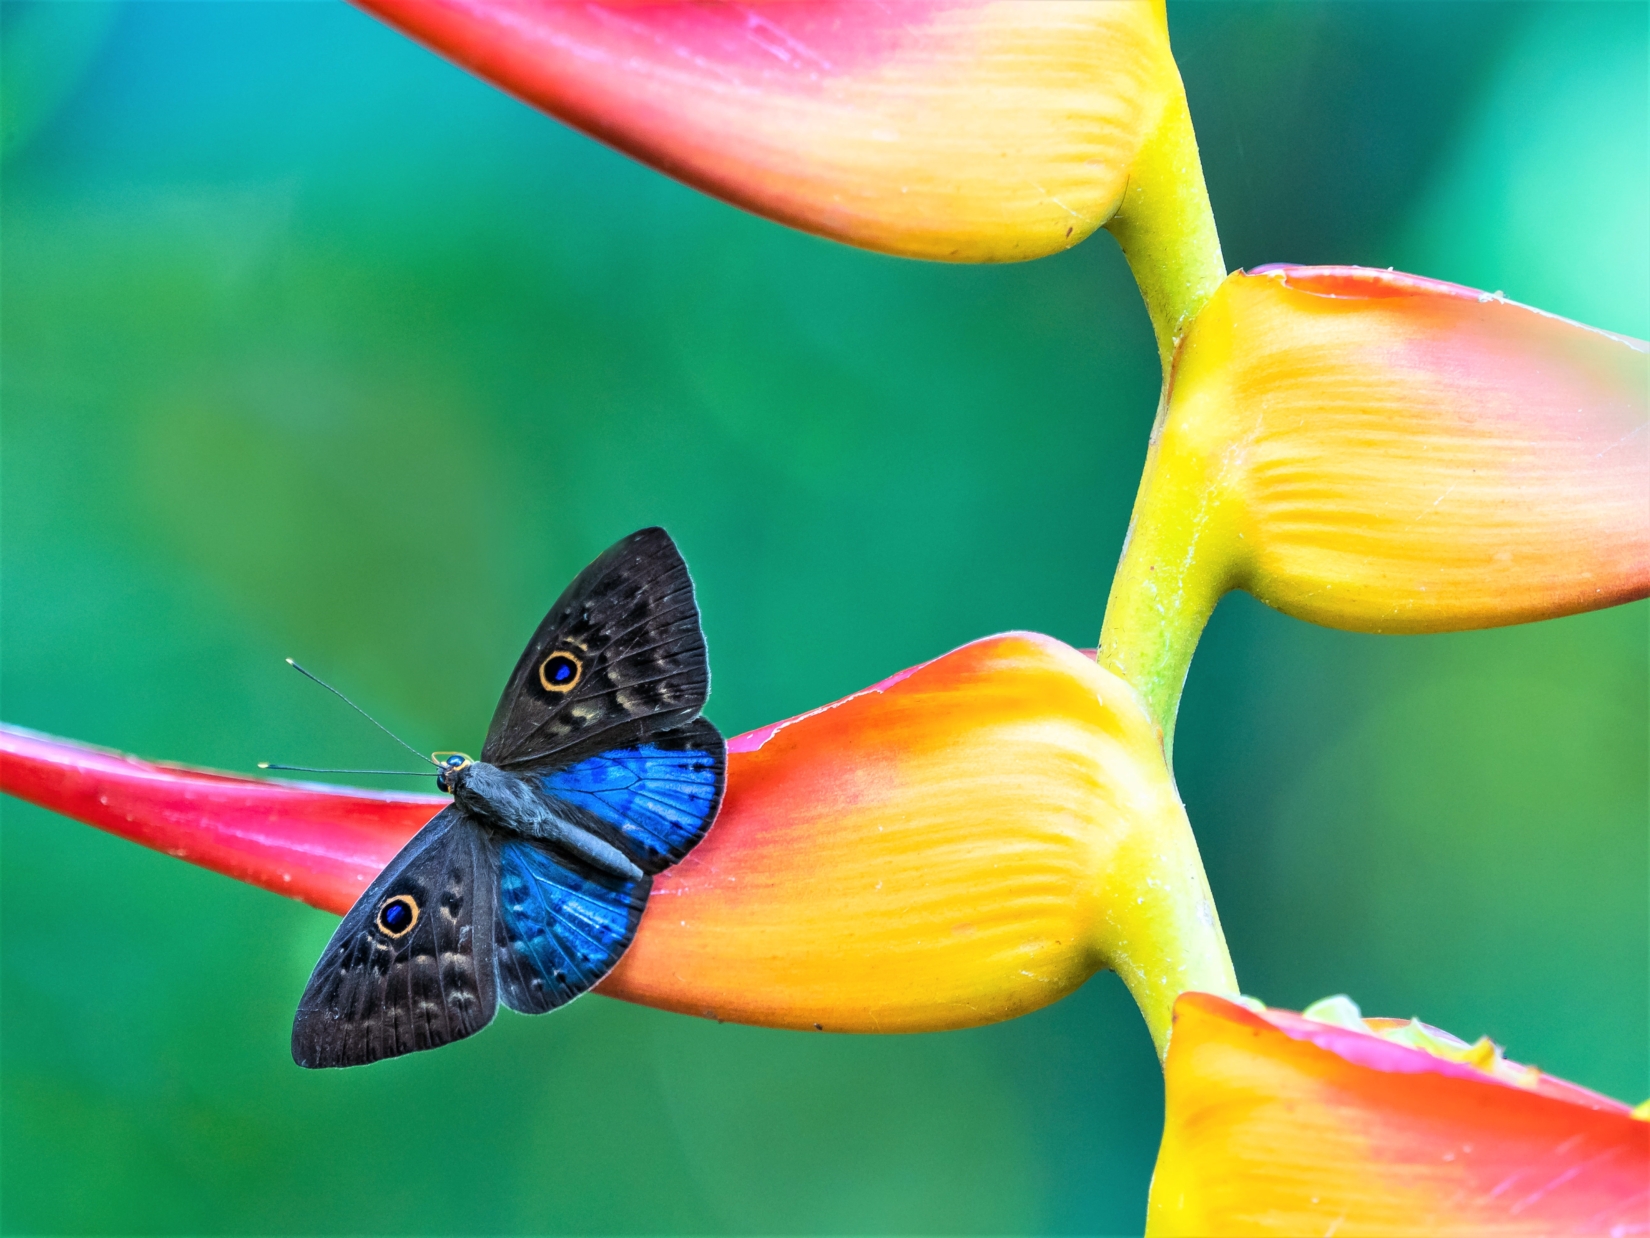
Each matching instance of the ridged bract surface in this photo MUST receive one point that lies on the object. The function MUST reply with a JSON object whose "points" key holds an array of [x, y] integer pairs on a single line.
{"points": [[1382, 452], [931, 128]]}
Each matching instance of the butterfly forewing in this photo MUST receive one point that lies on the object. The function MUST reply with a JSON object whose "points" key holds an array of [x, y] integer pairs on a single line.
{"points": [[411, 965], [621, 649]]}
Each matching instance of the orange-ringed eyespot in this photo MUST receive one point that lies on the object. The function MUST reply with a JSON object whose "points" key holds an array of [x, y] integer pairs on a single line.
{"points": [[397, 916], [559, 672]]}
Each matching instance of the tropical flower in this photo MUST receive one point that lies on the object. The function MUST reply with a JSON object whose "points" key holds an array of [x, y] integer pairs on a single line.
{"points": [[1326, 1123], [957, 130], [963, 842], [1386, 453], [972, 838]]}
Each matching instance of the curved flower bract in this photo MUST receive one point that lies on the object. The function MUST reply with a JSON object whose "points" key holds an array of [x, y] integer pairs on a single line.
{"points": [[1280, 1124], [318, 844], [964, 842], [1385, 453], [948, 129]]}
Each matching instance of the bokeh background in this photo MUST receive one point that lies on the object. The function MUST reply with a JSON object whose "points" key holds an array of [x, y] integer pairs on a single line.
{"points": [[314, 345]]}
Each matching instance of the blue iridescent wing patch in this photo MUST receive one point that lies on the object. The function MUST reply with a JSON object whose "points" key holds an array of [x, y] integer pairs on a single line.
{"points": [[660, 794], [560, 928]]}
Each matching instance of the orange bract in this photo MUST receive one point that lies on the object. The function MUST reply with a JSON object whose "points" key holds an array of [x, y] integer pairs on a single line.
{"points": [[966, 841], [960, 844], [1276, 1124]]}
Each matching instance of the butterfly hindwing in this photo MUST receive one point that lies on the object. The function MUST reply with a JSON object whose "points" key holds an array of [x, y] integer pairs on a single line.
{"points": [[653, 799], [561, 926], [411, 966], [620, 655]]}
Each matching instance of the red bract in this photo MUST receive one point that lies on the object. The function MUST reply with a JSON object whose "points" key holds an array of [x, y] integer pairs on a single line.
{"points": [[317, 844], [946, 129]]}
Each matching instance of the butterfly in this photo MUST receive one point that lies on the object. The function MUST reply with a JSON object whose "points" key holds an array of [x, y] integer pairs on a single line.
{"points": [[597, 773]]}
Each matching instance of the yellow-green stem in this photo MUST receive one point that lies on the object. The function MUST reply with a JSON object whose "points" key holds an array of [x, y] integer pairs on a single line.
{"points": [[1158, 604], [1163, 935], [1167, 230], [1160, 601]]}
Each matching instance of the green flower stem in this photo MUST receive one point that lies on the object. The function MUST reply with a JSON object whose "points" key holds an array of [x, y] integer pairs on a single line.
{"points": [[1177, 563], [1163, 934], [1167, 230], [1159, 601]]}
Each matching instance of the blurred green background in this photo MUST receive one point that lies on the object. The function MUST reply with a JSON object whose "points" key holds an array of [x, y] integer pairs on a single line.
{"points": [[291, 307]]}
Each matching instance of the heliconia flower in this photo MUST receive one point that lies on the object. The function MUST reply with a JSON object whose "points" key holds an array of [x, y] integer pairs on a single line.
{"points": [[1277, 1123], [951, 129], [1385, 453], [964, 842]]}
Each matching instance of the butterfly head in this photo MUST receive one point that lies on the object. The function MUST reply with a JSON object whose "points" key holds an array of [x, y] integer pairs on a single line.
{"points": [[452, 764]]}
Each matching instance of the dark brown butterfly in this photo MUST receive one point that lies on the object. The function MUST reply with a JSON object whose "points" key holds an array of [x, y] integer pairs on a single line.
{"points": [[597, 773]]}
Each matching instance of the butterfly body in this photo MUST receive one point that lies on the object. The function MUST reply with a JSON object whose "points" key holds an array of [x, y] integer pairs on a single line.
{"points": [[515, 804], [596, 774]]}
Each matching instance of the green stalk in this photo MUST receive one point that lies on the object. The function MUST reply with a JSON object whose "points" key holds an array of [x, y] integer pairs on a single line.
{"points": [[1159, 603], [1163, 592], [1167, 230]]}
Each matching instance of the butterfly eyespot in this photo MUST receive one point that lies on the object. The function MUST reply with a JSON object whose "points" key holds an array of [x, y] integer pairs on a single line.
{"points": [[560, 672], [396, 916]]}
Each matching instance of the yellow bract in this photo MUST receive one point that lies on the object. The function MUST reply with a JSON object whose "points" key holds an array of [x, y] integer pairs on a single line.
{"points": [[1384, 453], [996, 133]]}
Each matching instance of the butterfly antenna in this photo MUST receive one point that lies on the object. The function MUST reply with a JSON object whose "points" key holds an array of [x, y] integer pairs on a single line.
{"points": [[317, 679], [316, 769]]}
